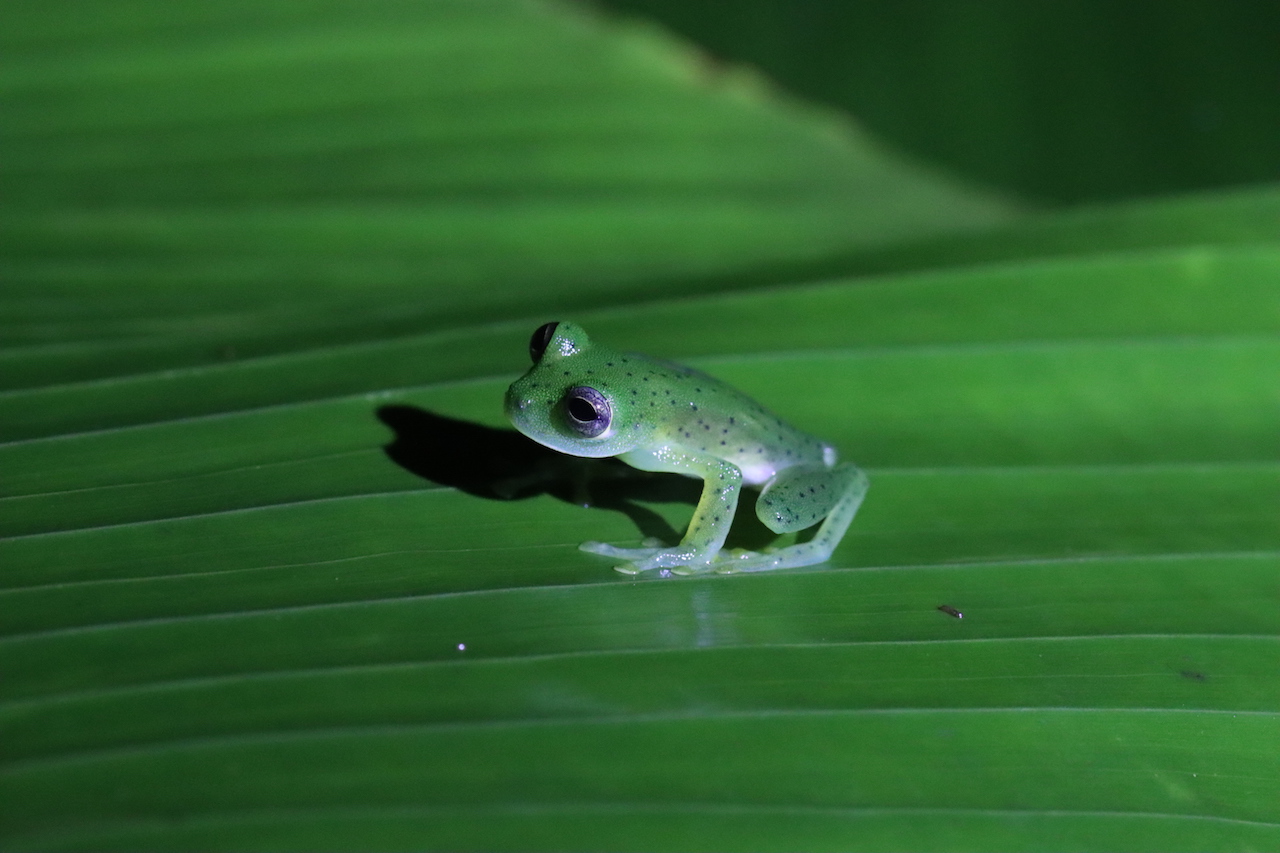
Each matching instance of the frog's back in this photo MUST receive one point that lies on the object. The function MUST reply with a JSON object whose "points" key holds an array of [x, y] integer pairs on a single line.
{"points": [[707, 416]]}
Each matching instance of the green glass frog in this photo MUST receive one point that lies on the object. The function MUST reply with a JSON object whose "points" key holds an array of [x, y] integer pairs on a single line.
{"points": [[585, 400]]}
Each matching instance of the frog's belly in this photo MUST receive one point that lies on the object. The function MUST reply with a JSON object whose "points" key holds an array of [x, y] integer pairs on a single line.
{"points": [[757, 474]]}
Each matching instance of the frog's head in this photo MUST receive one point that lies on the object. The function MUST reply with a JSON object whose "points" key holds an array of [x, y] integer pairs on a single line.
{"points": [[567, 400]]}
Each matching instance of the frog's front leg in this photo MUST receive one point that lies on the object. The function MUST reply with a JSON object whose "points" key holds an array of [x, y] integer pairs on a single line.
{"points": [[698, 550]]}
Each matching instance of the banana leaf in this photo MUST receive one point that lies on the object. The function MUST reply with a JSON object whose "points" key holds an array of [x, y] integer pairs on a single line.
{"points": [[276, 574]]}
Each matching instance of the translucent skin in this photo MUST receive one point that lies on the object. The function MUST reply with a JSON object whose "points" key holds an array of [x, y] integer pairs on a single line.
{"points": [[586, 400]]}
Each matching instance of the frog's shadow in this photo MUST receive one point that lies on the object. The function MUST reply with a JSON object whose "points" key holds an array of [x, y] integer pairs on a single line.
{"points": [[502, 464]]}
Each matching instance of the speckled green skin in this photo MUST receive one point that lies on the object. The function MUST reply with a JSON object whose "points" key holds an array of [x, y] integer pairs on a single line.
{"points": [[658, 416]]}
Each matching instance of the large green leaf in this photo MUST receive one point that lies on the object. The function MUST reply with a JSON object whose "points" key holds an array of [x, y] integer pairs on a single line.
{"points": [[274, 573], [191, 184]]}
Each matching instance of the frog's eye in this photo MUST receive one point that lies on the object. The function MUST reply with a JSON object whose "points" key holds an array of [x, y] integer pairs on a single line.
{"points": [[542, 337], [589, 413]]}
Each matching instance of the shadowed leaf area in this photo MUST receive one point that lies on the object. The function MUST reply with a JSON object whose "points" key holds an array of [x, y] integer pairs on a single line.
{"points": [[276, 574]]}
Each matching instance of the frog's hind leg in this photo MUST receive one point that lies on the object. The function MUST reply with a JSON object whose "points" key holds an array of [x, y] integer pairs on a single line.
{"points": [[798, 498], [801, 496]]}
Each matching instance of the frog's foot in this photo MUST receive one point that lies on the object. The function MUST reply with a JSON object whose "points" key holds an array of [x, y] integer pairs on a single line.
{"points": [[652, 547], [726, 562], [677, 560], [753, 562], [789, 557], [637, 558]]}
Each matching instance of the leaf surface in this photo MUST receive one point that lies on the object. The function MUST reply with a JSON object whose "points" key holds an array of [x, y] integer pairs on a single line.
{"points": [[275, 573]]}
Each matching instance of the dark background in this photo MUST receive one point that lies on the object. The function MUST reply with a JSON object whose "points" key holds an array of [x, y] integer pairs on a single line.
{"points": [[1056, 101]]}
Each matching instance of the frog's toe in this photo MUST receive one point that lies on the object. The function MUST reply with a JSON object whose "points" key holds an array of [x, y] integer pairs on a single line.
{"points": [[632, 569], [678, 560], [764, 562], [692, 569], [607, 550]]}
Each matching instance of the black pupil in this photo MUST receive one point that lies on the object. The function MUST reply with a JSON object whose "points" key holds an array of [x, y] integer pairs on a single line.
{"points": [[581, 410], [542, 337], [587, 411]]}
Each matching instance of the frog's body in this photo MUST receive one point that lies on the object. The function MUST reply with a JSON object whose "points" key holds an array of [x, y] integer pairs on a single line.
{"points": [[585, 400]]}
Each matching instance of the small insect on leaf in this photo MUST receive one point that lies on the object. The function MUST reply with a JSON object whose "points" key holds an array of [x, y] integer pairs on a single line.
{"points": [[950, 611]]}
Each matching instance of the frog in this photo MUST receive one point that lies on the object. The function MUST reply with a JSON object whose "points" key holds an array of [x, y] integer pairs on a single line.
{"points": [[586, 400]]}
